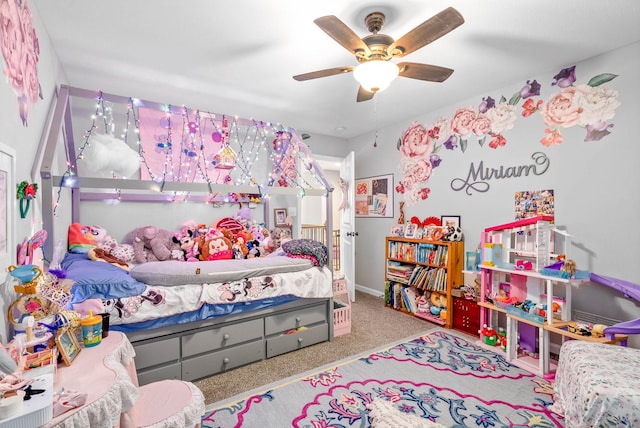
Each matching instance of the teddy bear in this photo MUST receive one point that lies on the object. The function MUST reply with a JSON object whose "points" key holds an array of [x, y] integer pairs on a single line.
{"points": [[151, 243]]}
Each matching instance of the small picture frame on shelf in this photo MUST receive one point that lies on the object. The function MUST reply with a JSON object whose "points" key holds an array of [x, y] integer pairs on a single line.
{"points": [[419, 233], [450, 220], [67, 345], [397, 231], [410, 230]]}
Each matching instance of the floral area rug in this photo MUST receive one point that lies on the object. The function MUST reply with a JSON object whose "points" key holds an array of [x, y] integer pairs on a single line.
{"points": [[440, 376]]}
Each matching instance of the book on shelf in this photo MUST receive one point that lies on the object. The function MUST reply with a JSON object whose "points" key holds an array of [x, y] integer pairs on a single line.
{"points": [[429, 278], [410, 296]]}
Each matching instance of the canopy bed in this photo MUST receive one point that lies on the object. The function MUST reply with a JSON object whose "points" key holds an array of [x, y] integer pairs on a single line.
{"points": [[214, 314]]}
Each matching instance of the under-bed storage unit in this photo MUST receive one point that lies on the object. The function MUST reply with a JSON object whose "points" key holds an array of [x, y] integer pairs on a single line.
{"points": [[197, 350]]}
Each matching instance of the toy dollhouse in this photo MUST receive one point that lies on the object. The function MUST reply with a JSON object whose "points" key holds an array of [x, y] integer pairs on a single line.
{"points": [[518, 288]]}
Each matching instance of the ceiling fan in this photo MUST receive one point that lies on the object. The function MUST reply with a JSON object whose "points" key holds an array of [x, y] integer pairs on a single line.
{"points": [[375, 51]]}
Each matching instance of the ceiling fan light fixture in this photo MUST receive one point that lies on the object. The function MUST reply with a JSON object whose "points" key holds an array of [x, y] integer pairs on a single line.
{"points": [[376, 75]]}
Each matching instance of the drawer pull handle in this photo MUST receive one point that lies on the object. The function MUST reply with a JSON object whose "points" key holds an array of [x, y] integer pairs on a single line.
{"points": [[226, 336], [298, 319], [225, 360], [300, 340]]}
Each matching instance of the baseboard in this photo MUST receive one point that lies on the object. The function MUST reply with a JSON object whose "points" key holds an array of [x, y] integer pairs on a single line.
{"points": [[368, 290]]}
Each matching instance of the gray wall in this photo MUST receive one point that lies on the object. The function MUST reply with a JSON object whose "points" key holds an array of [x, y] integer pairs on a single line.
{"points": [[596, 185]]}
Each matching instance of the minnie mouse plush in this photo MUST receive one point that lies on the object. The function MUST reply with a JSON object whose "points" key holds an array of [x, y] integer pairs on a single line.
{"points": [[187, 245]]}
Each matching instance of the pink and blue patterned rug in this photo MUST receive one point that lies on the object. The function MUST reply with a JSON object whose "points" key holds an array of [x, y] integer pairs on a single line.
{"points": [[440, 376]]}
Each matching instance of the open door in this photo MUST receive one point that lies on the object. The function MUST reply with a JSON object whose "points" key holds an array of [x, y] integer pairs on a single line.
{"points": [[347, 224]]}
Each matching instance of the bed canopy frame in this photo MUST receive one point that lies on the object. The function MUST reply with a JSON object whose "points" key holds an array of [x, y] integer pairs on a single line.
{"points": [[73, 105]]}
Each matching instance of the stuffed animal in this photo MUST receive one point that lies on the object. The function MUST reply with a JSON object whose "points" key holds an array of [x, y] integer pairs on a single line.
{"points": [[276, 237], [244, 216], [151, 243], [123, 252], [452, 233], [188, 245], [254, 249], [241, 239], [216, 247]]}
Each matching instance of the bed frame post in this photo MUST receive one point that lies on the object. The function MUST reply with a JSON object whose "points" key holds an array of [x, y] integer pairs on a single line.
{"points": [[46, 174]]}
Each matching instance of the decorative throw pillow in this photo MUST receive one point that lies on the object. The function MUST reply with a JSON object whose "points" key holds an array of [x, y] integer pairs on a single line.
{"points": [[98, 280], [307, 248]]}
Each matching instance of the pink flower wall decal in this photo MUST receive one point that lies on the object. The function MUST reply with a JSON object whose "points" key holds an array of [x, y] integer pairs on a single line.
{"points": [[589, 106], [20, 51]]}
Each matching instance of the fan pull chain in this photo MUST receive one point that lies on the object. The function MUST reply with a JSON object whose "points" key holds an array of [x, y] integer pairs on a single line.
{"points": [[375, 119]]}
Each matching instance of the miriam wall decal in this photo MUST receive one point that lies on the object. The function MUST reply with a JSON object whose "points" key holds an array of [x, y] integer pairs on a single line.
{"points": [[479, 176], [20, 50], [589, 105]]}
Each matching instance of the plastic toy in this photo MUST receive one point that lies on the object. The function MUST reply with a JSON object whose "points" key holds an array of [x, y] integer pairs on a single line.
{"points": [[524, 265], [489, 335]]}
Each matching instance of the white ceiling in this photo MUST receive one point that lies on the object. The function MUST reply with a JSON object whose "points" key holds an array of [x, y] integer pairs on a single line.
{"points": [[238, 57]]}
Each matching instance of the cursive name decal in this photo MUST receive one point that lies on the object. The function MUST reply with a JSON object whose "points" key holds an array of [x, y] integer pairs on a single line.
{"points": [[478, 178]]}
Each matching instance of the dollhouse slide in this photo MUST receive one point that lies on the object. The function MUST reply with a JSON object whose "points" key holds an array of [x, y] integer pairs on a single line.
{"points": [[629, 290]]}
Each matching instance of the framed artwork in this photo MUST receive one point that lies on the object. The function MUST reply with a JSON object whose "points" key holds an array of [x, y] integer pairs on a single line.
{"points": [[397, 231], [410, 230], [374, 196], [280, 216], [67, 345], [450, 220], [419, 233], [533, 203]]}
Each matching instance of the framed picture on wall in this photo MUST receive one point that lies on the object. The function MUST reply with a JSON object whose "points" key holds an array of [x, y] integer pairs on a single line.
{"points": [[280, 216], [374, 196]]}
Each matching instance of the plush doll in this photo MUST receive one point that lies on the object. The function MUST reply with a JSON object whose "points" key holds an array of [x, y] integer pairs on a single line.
{"points": [[244, 216], [216, 247], [254, 249], [151, 243], [241, 239], [82, 238], [188, 245]]}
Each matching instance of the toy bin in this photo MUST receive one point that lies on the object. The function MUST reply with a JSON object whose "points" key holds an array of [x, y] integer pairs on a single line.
{"points": [[341, 308]]}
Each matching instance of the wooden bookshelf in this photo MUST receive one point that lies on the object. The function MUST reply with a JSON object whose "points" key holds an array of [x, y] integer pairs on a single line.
{"points": [[418, 266]]}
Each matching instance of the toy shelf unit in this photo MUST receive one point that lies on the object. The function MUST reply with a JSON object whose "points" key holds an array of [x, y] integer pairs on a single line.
{"points": [[341, 307], [419, 277], [514, 291]]}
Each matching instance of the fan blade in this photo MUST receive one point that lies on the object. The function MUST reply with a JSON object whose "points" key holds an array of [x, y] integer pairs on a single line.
{"points": [[324, 73], [342, 34], [431, 73], [364, 95], [430, 30]]}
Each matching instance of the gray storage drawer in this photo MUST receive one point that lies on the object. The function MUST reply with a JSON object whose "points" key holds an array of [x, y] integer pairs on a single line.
{"points": [[154, 353], [297, 318], [210, 340], [281, 344], [172, 371], [219, 361]]}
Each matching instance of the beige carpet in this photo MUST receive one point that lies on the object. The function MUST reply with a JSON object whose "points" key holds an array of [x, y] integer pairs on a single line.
{"points": [[372, 325]]}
